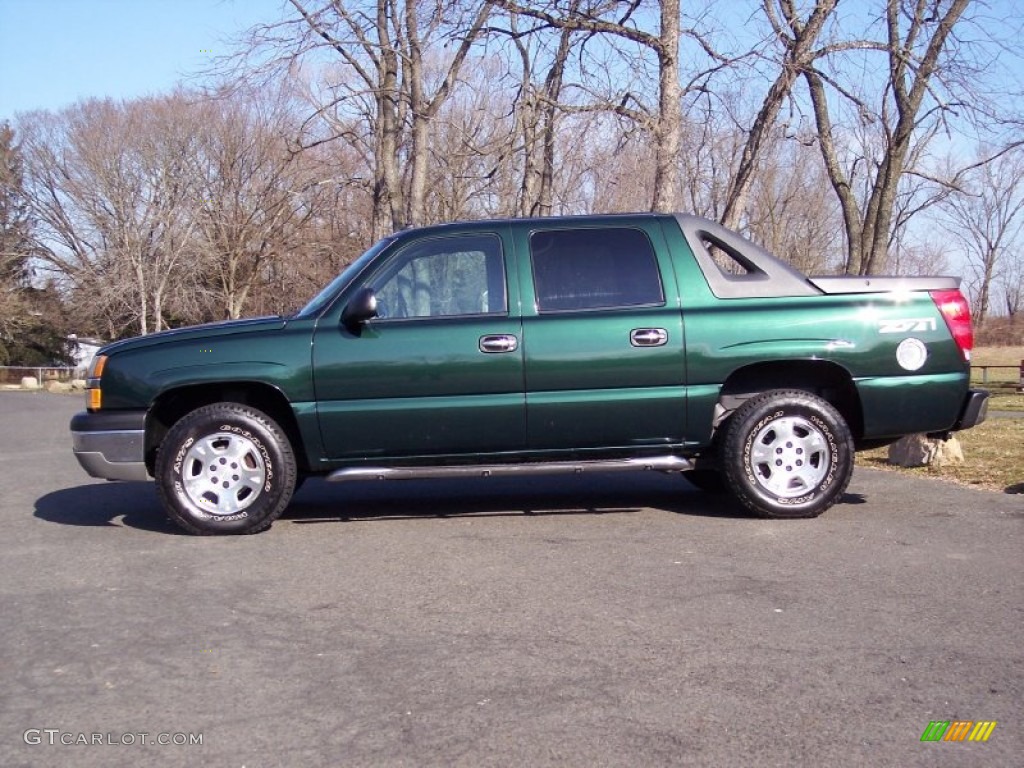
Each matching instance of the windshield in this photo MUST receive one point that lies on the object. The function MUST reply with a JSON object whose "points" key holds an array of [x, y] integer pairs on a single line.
{"points": [[322, 299]]}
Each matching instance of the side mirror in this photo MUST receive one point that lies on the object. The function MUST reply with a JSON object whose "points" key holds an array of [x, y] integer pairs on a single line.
{"points": [[361, 308]]}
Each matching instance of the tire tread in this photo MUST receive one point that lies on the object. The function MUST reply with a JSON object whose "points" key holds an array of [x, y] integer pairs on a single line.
{"points": [[735, 438], [224, 410]]}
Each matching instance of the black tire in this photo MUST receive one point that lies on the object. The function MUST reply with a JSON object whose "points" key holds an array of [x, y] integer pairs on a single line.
{"points": [[787, 454], [707, 480], [225, 468]]}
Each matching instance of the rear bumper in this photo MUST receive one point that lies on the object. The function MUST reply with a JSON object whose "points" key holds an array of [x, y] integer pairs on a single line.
{"points": [[973, 411], [894, 406], [111, 445]]}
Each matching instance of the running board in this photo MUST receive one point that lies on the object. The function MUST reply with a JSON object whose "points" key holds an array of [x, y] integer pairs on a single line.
{"points": [[653, 463]]}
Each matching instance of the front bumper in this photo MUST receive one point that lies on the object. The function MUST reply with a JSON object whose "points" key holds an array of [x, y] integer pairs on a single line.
{"points": [[974, 410], [111, 445]]}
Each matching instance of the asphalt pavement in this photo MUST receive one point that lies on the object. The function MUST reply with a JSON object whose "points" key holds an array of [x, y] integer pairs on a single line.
{"points": [[619, 620]]}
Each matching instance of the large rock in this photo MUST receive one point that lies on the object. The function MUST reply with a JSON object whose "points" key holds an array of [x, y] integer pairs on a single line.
{"points": [[29, 382], [924, 451], [949, 453]]}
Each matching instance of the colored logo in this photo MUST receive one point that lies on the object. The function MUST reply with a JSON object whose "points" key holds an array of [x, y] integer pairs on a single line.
{"points": [[958, 730]]}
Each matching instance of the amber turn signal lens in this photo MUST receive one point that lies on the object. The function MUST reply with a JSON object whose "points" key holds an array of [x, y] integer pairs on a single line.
{"points": [[98, 364], [95, 399]]}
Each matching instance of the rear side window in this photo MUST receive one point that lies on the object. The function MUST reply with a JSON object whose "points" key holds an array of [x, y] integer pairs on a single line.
{"points": [[581, 269]]}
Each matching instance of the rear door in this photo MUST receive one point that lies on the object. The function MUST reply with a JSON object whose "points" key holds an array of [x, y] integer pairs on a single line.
{"points": [[440, 371], [603, 337]]}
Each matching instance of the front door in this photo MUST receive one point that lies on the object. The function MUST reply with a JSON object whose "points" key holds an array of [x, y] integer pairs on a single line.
{"points": [[440, 370]]}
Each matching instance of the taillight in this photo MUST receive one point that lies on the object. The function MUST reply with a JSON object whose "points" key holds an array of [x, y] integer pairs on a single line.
{"points": [[957, 314]]}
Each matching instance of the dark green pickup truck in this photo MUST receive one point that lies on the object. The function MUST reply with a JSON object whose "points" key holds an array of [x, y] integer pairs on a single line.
{"points": [[537, 346]]}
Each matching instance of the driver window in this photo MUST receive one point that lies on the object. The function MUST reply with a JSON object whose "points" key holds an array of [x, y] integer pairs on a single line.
{"points": [[443, 277]]}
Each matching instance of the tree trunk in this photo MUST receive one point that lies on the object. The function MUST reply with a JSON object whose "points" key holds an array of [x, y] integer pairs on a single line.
{"points": [[797, 55], [669, 125], [388, 98], [911, 72]]}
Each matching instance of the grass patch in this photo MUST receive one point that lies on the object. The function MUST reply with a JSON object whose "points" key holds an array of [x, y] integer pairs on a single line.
{"points": [[1006, 402], [993, 453], [997, 355], [1003, 379]]}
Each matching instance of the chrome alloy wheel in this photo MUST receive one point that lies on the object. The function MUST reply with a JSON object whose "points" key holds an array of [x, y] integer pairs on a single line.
{"points": [[223, 473], [789, 457]]}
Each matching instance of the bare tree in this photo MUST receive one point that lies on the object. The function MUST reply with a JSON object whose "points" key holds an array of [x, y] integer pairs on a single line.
{"points": [[252, 199], [1011, 283], [797, 39], [988, 223], [790, 211], [381, 92], [538, 91], [618, 20], [473, 161], [110, 188], [917, 35], [424, 105]]}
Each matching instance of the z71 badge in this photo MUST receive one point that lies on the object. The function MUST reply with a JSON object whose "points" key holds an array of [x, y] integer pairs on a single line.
{"points": [[907, 325]]}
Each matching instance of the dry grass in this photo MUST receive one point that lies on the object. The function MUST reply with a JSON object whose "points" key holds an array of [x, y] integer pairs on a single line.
{"points": [[994, 453], [1004, 380], [997, 355], [1006, 402]]}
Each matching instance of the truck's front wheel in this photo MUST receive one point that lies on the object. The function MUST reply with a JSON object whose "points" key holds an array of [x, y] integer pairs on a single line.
{"points": [[788, 453], [225, 468]]}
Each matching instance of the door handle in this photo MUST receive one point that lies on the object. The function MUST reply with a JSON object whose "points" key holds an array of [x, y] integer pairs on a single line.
{"points": [[648, 337], [499, 343]]}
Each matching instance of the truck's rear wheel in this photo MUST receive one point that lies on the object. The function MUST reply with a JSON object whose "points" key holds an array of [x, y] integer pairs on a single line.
{"points": [[787, 454], [225, 468]]}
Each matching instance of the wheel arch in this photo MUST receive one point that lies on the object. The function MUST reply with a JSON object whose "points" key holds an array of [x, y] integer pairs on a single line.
{"points": [[173, 404], [829, 381]]}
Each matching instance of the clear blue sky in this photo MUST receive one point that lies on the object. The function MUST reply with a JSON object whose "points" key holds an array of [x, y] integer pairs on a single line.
{"points": [[55, 52]]}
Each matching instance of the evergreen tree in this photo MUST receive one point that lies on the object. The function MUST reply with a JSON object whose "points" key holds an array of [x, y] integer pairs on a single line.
{"points": [[31, 319]]}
